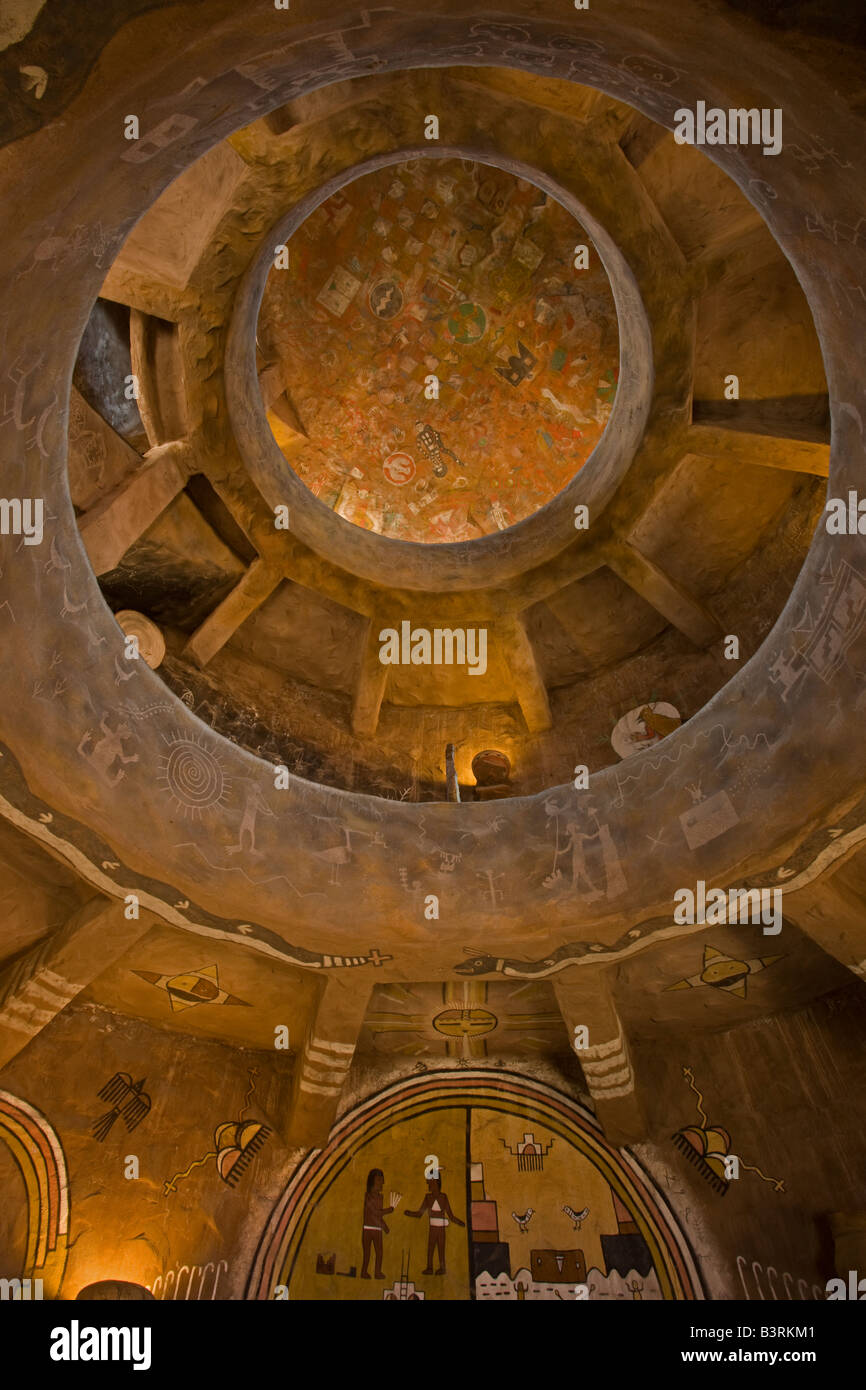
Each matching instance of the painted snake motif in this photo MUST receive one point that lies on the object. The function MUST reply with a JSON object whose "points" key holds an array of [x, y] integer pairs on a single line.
{"points": [[561, 959]]}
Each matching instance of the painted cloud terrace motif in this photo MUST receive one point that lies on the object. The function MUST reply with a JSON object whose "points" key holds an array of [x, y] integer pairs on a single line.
{"points": [[447, 366]]}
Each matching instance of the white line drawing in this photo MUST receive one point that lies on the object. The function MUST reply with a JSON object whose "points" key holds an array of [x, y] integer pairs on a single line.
{"points": [[106, 753], [193, 774], [253, 804], [69, 607], [826, 637], [492, 880]]}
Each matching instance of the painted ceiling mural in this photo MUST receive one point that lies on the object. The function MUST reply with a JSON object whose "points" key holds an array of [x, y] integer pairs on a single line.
{"points": [[464, 1019], [458, 271]]}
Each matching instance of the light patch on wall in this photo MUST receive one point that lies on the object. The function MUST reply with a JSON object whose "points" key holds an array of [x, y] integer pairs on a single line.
{"points": [[17, 19]]}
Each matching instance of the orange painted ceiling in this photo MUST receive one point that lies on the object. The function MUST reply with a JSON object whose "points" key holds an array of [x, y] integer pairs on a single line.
{"points": [[457, 269]]}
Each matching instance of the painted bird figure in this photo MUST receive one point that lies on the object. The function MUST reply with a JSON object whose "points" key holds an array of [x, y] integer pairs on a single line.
{"points": [[128, 1101], [578, 1217], [524, 1220]]}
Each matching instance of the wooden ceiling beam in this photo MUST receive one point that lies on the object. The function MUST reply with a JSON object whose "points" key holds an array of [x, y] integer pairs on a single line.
{"points": [[605, 1060], [40, 984], [759, 450], [832, 915], [522, 665], [257, 585], [321, 1069], [371, 683], [113, 525], [670, 599], [146, 295]]}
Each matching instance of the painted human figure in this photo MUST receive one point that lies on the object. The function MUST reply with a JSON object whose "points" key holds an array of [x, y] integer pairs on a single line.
{"points": [[106, 752], [580, 878], [374, 1222], [599, 850], [254, 804], [438, 1208]]}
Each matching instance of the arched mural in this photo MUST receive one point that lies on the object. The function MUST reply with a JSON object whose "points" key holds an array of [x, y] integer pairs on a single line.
{"points": [[471, 1186], [39, 1155]]}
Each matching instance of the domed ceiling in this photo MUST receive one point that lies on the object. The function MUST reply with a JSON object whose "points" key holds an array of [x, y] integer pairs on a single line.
{"points": [[448, 367], [271, 636]]}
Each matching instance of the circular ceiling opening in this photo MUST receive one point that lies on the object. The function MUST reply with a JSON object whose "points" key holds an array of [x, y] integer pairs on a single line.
{"points": [[441, 350]]}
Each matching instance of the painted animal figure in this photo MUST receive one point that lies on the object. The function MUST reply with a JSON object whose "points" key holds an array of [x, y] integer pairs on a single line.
{"points": [[524, 1220], [129, 1102], [659, 725], [577, 1217], [343, 854]]}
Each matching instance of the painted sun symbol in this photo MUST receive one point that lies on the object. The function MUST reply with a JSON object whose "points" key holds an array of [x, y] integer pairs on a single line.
{"points": [[193, 775]]}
